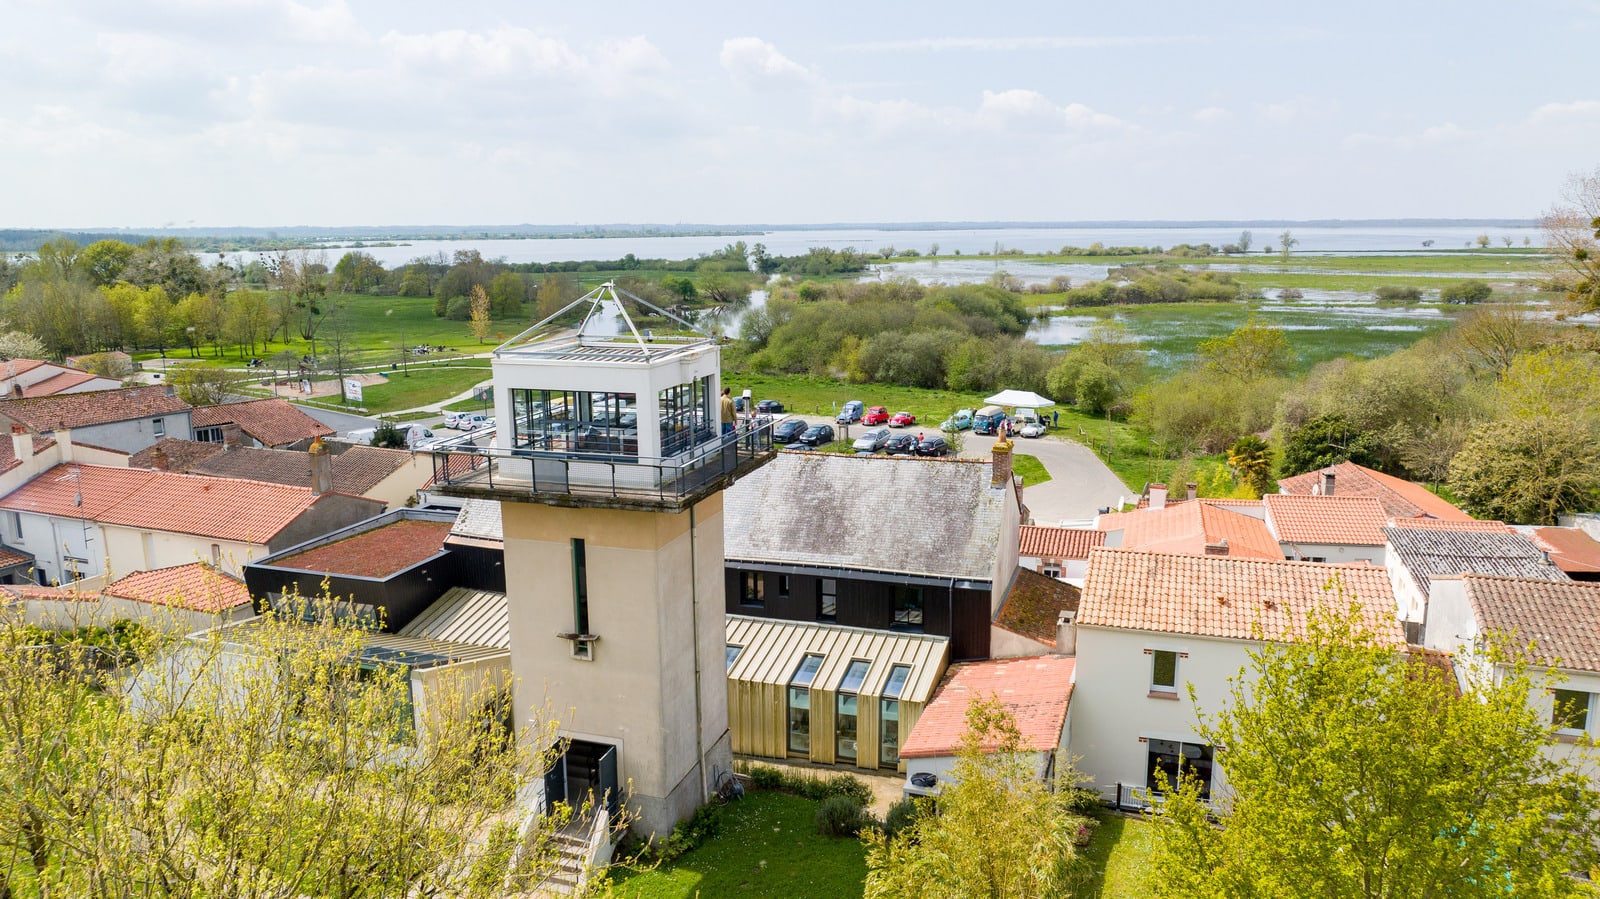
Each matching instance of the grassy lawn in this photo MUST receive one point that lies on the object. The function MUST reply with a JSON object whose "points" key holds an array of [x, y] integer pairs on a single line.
{"points": [[1119, 858], [1031, 469], [768, 846], [421, 387]]}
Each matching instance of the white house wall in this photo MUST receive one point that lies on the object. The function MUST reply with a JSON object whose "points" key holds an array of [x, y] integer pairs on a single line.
{"points": [[1333, 553]]}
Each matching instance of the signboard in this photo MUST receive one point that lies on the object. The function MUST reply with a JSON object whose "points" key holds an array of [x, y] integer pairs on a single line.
{"points": [[352, 390]]}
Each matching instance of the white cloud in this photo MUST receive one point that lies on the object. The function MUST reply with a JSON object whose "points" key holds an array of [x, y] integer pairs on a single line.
{"points": [[1011, 44], [755, 64], [1578, 110], [502, 52], [1211, 115], [1031, 110]]}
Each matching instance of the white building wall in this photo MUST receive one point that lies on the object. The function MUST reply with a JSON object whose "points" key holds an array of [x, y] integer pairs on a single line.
{"points": [[1113, 706], [1333, 553]]}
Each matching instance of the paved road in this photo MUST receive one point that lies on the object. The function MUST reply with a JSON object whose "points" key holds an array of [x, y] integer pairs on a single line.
{"points": [[1079, 486], [339, 421]]}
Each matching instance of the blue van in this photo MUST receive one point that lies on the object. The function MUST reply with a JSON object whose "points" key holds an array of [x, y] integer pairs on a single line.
{"points": [[988, 419], [851, 412]]}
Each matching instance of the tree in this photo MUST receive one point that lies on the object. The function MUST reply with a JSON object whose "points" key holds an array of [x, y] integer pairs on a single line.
{"points": [[481, 325], [1251, 460], [555, 292], [103, 261], [1327, 440], [201, 386], [388, 436], [1287, 241], [269, 765], [996, 831], [1572, 230], [17, 345], [1489, 339], [1465, 292], [1245, 239], [1527, 471], [507, 293], [338, 344], [1483, 241], [1355, 770], [156, 316], [1249, 353]]}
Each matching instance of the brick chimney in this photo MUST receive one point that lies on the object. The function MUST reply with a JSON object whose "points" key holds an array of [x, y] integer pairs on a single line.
{"points": [[1158, 496], [321, 468], [21, 443], [1001, 453], [1192, 489], [158, 458], [1220, 548], [1327, 482]]}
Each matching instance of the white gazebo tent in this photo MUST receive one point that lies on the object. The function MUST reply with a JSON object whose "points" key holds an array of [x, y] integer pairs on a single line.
{"points": [[1019, 398]]}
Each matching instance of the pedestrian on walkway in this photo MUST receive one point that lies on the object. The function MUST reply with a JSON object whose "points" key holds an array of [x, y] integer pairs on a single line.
{"points": [[1055, 419], [728, 414]]}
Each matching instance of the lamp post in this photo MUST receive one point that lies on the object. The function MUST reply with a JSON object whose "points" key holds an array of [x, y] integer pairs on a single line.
{"points": [[405, 370]]}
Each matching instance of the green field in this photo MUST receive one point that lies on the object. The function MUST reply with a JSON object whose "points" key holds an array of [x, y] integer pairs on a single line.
{"points": [[769, 846]]}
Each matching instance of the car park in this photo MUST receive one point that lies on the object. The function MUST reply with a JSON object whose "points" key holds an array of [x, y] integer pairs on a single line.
{"points": [[1032, 429], [960, 421], [933, 446], [901, 445], [902, 420], [877, 415], [987, 420], [872, 441], [789, 430], [468, 421], [850, 412], [769, 407], [816, 435]]}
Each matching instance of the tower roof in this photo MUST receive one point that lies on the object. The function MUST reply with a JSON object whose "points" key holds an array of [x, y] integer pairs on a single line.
{"points": [[597, 327]]}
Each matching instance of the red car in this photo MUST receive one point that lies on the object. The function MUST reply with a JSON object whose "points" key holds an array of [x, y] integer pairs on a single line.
{"points": [[877, 415], [902, 420]]}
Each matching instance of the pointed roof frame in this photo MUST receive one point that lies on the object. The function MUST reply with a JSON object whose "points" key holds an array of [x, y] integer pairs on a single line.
{"points": [[595, 298]]}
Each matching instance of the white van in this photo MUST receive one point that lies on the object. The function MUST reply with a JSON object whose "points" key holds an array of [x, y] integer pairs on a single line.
{"points": [[415, 435]]}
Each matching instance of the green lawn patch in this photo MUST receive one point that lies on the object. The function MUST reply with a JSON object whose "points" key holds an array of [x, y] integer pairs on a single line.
{"points": [[1031, 469], [421, 387], [768, 846], [1118, 858]]}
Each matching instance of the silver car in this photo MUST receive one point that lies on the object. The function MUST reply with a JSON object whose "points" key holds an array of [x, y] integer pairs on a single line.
{"points": [[871, 441]]}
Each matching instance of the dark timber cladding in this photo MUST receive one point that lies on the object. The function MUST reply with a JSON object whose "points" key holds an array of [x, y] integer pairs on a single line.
{"points": [[955, 609]]}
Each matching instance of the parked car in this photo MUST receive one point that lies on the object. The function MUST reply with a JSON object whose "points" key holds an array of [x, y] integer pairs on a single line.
{"points": [[877, 415], [958, 422], [933, 446], [902, 420], [789, 430], [468, 421], [738, 404], [850, 412], [416, 435], [987, 420], [901, 445], [769, 407], [1024, 415], [816, 435], [1032, 429], [872, 441]]}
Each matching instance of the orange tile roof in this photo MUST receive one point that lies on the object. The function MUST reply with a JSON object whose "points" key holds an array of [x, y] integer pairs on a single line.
{"points": [[1445, 524], [1034, 690], [10, 557], [8, 456], [1189, 526], [181, 454], [195, 586], [94, 407], [220, 508], [273, 422], [1570, 549], [1341, 520], [1059, 543], [1221, 596], [378, 553], [67, 593], [66, 380], [1561, 619], [1034, 604], [1400, 498]]}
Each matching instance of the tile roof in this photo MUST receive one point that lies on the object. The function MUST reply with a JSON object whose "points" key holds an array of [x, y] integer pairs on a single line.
{"points": [[1187, 527], [1033, 605], [195, 586], [65, 380], [355, 471], [8, 455], [1400, 498], [67, 593], [464, 615], [1560, 619], [1572, 550], [1427, 553], [478, 524], [95, 407], [377, 553], [815, 509], [273, 422], [1445, 524], [181, 454], [1059, 543], [1222, 596], [220, 508], [1036, 691], [1339, 520], [10, 557]]}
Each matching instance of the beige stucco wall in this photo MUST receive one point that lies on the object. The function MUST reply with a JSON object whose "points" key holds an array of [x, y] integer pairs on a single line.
{"points": [[127, 550], [655, 597], [404, 483]]}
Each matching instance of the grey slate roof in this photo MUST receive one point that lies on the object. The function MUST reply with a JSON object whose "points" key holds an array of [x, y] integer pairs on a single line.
{"points": [[931, 517], [1427, 553], [478, 524], [1561, 620]]}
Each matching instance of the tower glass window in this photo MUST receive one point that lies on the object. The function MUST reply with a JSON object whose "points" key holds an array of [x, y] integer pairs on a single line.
{"points": [[800, 704], [846, 717], [889, 716], [575, 421]]}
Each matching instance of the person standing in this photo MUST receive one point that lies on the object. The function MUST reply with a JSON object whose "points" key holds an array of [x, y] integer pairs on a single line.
{"points": [[728, 414], [1055, 419]]}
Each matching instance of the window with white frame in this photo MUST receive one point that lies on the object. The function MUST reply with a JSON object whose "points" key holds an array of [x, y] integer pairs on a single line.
{"points": [[1163, 671], [1571, 711], [159, 426]]}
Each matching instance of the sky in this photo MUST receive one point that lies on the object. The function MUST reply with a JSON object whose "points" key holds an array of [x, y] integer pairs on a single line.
{"points": [[152, 113]]}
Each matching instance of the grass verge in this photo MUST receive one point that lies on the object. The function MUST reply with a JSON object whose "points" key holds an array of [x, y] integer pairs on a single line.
{"points": [[421, 387], [1031, 469], [768, 846], [1118, 858]]}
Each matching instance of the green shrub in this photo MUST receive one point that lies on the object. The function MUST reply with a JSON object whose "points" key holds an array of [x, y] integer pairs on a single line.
{"points": [[766, 777], [705, 823], [1463, 292], [901, 815], [849, 786], [840, 816], [1081, 800], [1392, 295]]}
